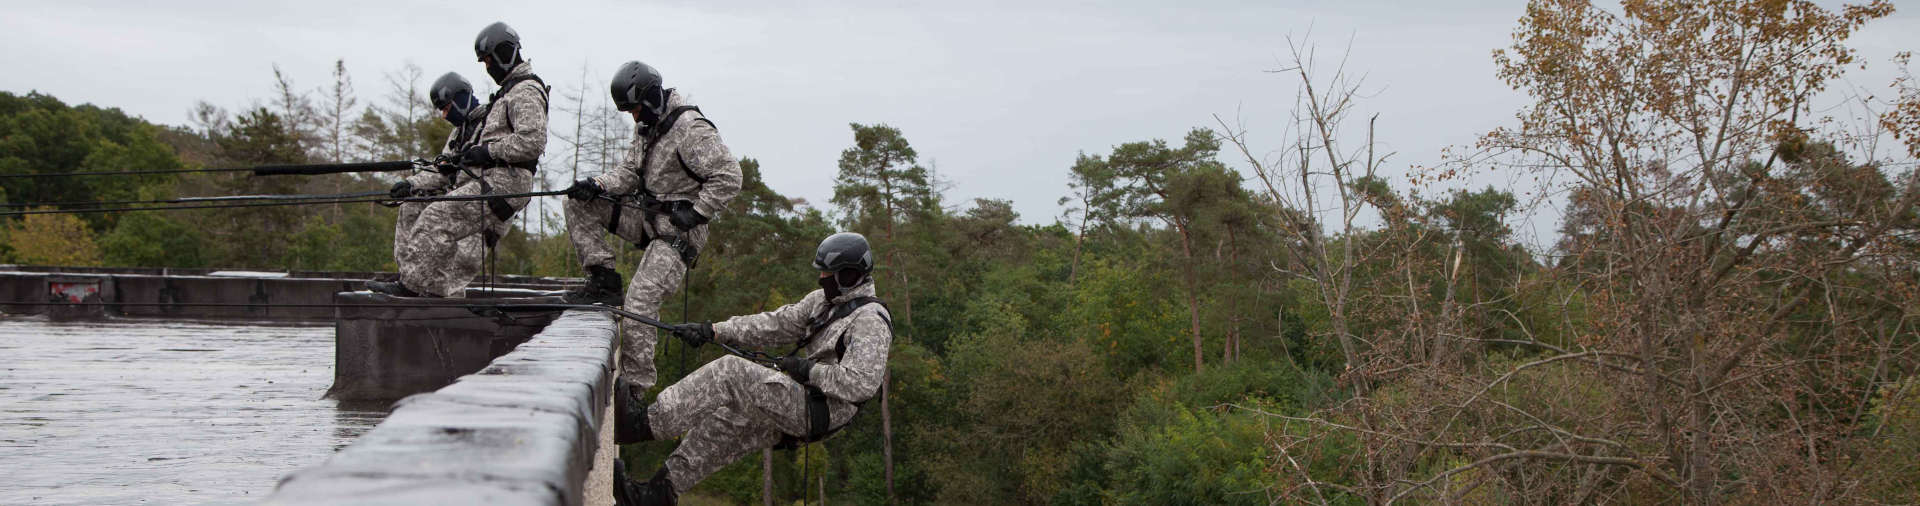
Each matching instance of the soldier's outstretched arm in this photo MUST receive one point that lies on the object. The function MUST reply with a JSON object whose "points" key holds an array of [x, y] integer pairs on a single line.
{"points": [[858, 375], [785, 325], [529, 138], [625, 177], [709, 158]]}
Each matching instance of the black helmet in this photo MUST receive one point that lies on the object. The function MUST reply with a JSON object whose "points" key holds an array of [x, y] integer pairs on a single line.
{"points": [[638, 86], [501, 41], [447, 88], [847, 256]]}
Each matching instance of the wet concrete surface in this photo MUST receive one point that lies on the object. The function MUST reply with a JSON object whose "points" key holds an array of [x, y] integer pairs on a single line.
{"points": [[159, 412]]}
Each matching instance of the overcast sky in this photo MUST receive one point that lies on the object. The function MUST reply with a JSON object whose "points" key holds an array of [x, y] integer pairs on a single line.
{"points": [[999, 95]]}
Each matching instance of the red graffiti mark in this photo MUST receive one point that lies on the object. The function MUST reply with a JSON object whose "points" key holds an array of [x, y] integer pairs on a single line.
{"points": [[74, 292]]}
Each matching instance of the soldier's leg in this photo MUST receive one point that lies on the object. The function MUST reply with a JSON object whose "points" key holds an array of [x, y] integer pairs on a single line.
{"points": [[470, 256], [724, 410], [403, 229], [437, 234], [587, 229], [471, 253], [657, 277]]}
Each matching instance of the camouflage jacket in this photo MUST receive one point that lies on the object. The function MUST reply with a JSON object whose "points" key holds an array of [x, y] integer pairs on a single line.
{"points": [[688, 152], [866, 336], [513, 127]]}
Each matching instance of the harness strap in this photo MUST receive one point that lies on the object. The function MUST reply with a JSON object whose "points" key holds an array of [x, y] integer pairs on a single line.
{"points": [[546, 106], [613, 224], [665, 127], [819, 420]]}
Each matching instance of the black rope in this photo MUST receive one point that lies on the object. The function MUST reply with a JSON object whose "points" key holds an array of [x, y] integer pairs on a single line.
{"points": [[289, 200], [170, 208], [124, 172], [265, 170], [205, 199]]}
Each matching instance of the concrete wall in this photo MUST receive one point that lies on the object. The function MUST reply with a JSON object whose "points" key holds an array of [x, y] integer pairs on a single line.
{"points": [[387, 347], [524, 430]]}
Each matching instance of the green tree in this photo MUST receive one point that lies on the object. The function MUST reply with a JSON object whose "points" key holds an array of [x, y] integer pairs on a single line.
{"points": [[41, 135], [52, 239]]}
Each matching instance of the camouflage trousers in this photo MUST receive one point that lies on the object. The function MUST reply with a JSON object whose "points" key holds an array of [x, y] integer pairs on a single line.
{"points": [[469, 254], [723, 411], [657, 277], [438, 245]]}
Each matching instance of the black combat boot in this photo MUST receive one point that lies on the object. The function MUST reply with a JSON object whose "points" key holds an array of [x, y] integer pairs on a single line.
{"points": [[395, 288], [629, 414], [654, 492], [603, 288]]}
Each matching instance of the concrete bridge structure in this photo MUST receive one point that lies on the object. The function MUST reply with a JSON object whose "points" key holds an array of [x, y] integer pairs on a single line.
{"points": [[490, 409]]}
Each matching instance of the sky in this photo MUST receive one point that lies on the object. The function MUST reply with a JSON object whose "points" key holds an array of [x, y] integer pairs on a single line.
{"points": [[999, 97]]}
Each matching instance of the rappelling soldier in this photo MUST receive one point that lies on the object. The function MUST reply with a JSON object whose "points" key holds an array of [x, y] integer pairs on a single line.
{"points": [[677, 176], [733, 406], [493, 151]]}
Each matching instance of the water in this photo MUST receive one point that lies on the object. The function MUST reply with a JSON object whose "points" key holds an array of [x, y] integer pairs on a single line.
{"points": [[160, 412]]}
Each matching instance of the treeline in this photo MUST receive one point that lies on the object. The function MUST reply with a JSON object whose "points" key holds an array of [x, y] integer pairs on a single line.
{"points": [[1728, 314]]}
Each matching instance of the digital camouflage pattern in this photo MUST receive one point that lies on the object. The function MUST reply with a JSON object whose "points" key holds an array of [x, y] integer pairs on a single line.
{"points": [[691, 141], [438, 245], [431, 258], [694, 143], [732, 407], [470, 253]]}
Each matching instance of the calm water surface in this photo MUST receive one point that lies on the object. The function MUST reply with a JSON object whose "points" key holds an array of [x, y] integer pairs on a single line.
{"points": [[160, 412]]}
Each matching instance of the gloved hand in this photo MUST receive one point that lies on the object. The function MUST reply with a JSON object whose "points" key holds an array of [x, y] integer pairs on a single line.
{"points": [[401, 190], [696, 334], [797, 367], [477, 156], [685, 218], [585, 189]]}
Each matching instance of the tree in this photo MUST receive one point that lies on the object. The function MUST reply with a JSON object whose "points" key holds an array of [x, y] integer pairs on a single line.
{"points": [[1091, 181], [1178, 187], [41, 135], [337, 105], [881, 186], [52, 239]]}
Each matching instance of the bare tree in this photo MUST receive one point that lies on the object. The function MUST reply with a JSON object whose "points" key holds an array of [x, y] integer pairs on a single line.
{"points": [[296, 110], [337, 106], [1300, 177]]}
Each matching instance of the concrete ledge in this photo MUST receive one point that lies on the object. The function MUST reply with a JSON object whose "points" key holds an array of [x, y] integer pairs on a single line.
{"points": [[386, 347], [524, 430], [155, 292]]}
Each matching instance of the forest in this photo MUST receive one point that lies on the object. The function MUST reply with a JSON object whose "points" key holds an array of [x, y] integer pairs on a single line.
{"points": [[1726, 314]]}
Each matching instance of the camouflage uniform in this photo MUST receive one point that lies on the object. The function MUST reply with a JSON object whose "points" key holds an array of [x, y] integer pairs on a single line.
{"points": [[691, 146], [732, 407], [438, 245]]}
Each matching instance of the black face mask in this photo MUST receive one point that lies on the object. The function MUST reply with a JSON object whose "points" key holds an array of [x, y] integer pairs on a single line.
{"points": [[496, 72], [831, 286], [462, 106]]}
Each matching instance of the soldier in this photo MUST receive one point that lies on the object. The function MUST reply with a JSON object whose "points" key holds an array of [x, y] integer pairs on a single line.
{"points": [[453, 96], [732, 406], [677, 175], [497, 151]]}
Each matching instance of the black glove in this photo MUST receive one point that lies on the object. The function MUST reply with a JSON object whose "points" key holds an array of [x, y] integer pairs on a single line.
{"points": [[585, 189], [401, 190], [477, 156], [695, 334], [797, 367], [685, 218]]}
